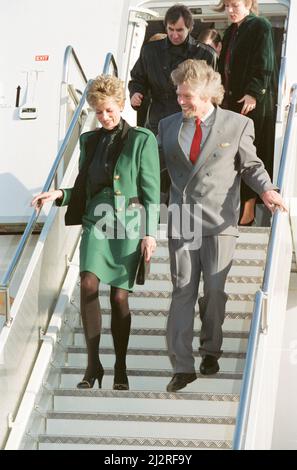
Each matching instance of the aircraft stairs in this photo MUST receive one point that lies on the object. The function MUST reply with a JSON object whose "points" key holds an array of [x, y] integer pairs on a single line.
{"points": [[54, 414], [201, 416]]}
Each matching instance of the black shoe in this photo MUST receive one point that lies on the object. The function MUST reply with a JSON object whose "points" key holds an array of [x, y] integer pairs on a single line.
{"points": [[89, 379], [248, 224], [179, 381], [209, 365], [120, 381]]}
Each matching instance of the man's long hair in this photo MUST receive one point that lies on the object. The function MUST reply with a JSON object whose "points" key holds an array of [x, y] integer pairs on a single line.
{"points": [[199, 75]]}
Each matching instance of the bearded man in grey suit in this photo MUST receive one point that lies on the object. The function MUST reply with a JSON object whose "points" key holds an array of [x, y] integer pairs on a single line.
{"points": [[206, 150]]}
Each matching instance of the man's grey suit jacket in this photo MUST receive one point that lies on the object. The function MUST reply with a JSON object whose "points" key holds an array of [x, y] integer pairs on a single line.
{"points": [[214, 181]]}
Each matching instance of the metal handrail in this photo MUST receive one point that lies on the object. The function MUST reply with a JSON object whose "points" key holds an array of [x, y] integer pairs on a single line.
{"points": [[281, 89], [247, 381], [30, 225], [281, 177], [109, 59], [4, 285], [70, 52]]}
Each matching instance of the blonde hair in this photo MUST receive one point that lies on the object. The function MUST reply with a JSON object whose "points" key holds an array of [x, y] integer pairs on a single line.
{"points": [[201, 76], [105, 87], [254, 7]]}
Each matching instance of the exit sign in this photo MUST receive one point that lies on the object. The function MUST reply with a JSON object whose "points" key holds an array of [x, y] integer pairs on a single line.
{"points": [[41, 58]]}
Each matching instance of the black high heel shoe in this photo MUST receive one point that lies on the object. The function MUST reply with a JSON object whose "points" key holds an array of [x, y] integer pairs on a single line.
{"points": [[248, 224], [89, 380], [120, 381]]}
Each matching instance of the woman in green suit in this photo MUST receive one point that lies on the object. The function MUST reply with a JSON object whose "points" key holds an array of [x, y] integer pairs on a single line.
{"points": [[248, 69], [116, 199]]}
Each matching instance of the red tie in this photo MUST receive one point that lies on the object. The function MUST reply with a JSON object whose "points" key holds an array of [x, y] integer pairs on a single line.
{"points": [[196, 142]]}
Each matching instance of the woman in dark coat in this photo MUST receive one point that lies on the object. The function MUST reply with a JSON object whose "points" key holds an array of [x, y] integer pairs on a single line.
{"points": [[116, 198], [248, 70]]}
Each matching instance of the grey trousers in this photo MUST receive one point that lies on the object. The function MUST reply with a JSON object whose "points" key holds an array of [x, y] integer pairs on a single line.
{"points": [[213, 259]]}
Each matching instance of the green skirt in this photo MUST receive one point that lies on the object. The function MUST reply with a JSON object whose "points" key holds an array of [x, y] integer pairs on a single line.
{"points": [[104, 248]]}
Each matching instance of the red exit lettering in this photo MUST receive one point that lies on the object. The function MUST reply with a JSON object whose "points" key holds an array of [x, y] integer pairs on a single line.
{"points": [[39, 58]]}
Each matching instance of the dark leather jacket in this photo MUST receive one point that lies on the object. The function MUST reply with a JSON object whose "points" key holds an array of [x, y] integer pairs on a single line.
{"points": [[151, 74]]}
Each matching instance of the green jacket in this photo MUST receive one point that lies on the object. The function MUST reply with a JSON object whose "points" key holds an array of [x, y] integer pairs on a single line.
{"points": [[136, 178]]}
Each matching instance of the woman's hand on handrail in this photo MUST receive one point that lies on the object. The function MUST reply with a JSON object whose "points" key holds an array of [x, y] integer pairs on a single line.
{"points": [[38, 201], [148, 245]]}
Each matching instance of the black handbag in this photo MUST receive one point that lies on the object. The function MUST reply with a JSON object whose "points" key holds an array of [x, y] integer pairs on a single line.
{"points": [[142, 271]]}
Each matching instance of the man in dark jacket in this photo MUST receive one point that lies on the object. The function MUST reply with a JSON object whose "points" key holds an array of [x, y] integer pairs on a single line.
{"points": [[151, 72]]}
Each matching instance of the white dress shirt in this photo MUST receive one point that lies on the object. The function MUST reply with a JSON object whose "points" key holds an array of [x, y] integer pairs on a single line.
{"points": [[188, 127]]}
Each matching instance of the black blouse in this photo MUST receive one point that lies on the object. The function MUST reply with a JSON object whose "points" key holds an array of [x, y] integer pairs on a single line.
{"points": [[100, 172]]}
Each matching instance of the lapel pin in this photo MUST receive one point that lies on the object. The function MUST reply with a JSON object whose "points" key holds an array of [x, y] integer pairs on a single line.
{"points": [[225, 144]]}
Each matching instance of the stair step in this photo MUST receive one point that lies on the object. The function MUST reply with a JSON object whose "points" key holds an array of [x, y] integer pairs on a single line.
{"points": [[244, 262], [249, 273], [145, 418], [258, 242], [166, 276], [204, 404], [156, 380], [251, 232], [136, 303], [147, 352], [229, 362], [78, 330], [157, 288], [140, 425], [246, 274], [56, 442], [157, 319], [153, 373], [242, 251], [159, 342], [143, 295], [236, 302], [142, 318]]}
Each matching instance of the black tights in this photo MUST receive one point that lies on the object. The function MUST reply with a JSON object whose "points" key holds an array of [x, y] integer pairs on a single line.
{"points": [[120, 325], [91, 320]]}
